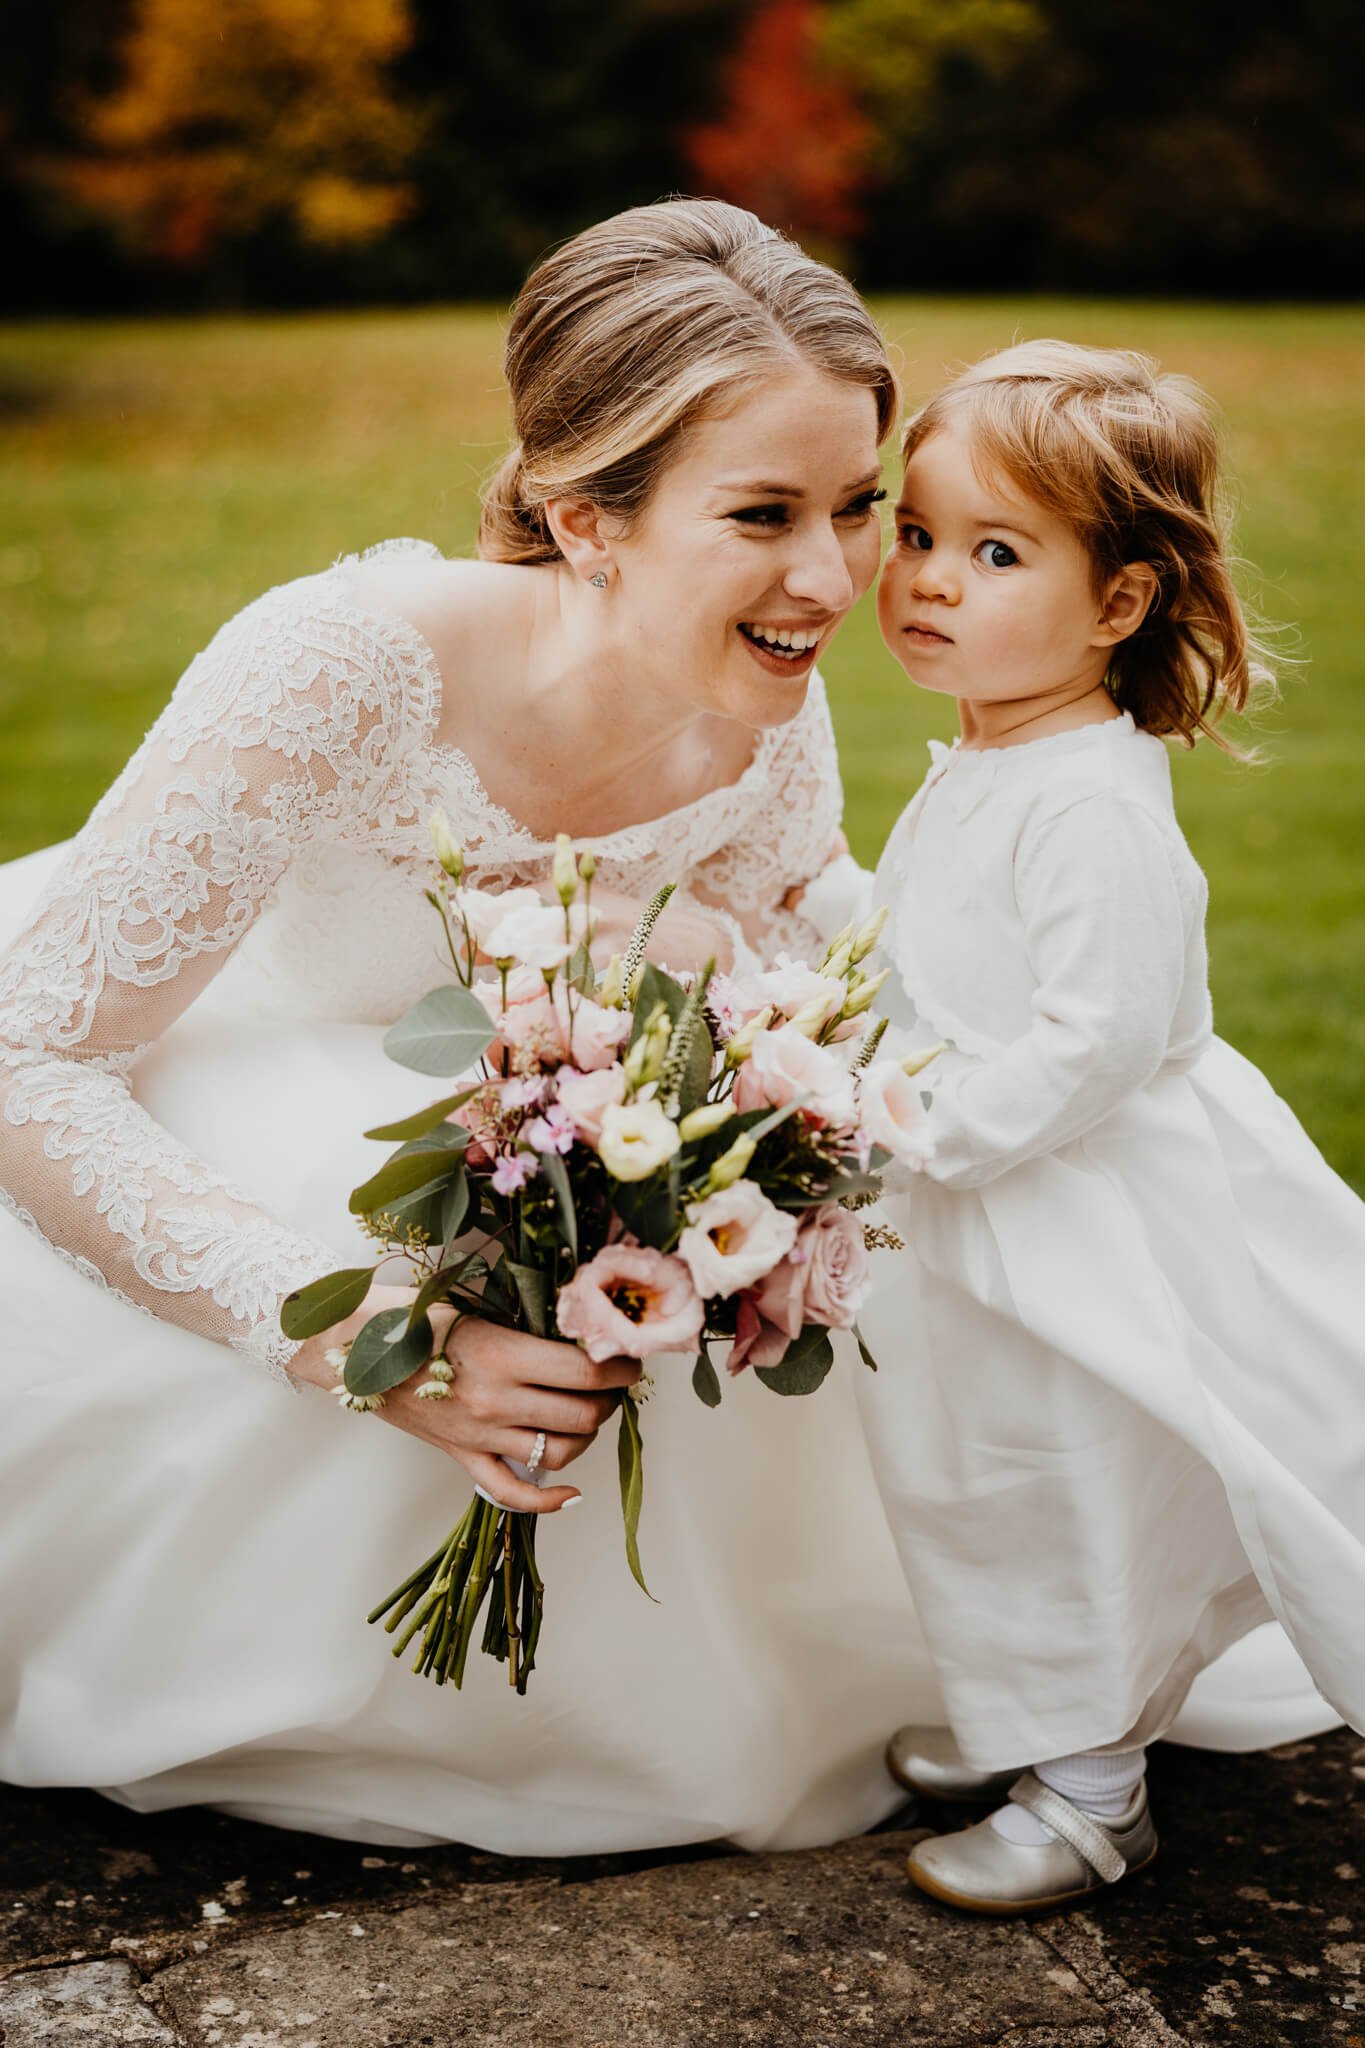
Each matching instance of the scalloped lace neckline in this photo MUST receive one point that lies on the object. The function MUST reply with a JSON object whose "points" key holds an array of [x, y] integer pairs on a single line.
{"points": [[418, 649]]}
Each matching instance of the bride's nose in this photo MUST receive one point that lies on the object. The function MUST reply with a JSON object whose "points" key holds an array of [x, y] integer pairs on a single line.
{"points": [[819, 574]]}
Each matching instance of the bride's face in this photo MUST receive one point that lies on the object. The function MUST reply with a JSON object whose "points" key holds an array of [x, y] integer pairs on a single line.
{"points": [[757, 540]]}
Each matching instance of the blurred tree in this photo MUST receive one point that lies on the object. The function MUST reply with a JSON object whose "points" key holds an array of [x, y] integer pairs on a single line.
{"points": [[1216, 147], [788, 138], [229, 117]]}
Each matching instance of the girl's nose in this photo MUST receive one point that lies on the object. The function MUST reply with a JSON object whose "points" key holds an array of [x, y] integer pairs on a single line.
{"points": [[934, 577], [820, 574]]}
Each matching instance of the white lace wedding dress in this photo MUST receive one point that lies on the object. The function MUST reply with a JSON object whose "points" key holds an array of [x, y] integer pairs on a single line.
{"points": [[191, 1011]]}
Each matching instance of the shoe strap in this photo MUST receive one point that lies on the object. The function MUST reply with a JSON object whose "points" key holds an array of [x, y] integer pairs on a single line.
{"points": [[1080, 1831]]}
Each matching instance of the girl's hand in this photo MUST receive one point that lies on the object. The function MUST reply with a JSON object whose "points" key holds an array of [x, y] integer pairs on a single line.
{"points": [[508, 1385], [838, 847], [687, 935]]}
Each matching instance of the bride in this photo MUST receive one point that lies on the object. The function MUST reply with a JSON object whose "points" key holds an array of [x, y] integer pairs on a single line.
{"points": [[190, 1014]]}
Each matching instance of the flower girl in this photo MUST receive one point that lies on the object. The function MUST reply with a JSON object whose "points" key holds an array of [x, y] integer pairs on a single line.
{"points": [[1118, 1423]]}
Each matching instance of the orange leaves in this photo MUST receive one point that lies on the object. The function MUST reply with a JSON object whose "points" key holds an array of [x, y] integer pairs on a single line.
{"points": [[790, 141], [227, 116]]}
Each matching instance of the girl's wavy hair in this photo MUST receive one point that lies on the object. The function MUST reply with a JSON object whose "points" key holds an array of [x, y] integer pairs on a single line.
{"points": [[1129, 459], [628, 335]]}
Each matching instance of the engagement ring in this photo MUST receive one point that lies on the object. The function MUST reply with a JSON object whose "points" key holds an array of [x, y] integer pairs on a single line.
{"points": [[533, 1462]]}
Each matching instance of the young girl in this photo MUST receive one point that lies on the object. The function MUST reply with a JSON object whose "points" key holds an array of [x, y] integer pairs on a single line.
{"points": [[1119, 1420]]}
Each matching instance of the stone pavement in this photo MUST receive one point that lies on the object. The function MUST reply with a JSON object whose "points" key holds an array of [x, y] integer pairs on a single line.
{"points": [[190, 1930]]}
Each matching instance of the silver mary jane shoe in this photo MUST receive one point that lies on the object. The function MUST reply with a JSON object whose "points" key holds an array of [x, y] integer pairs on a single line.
{"points": [[928, 1761], [980, 1871]]}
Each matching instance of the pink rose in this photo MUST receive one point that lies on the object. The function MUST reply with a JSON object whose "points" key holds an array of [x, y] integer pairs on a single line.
{"points": [[630, 1302], [785, 1063], [598, 1033], [757, 1341], [587, 1097], [823, 1279]]}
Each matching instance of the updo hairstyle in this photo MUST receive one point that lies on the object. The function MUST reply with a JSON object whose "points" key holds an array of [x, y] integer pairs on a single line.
{"points": [[642, 326]]}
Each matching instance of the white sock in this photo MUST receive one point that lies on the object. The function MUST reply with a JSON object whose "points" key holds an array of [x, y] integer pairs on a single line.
{"points": [[1102, 1785]]}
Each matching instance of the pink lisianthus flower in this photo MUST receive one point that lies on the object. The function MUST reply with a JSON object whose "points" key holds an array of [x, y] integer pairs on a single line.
{"points": [[512, 1172], [553, 1132], [786, 988], [596, 1034], [757, 1341], [784, 1064], [630, 1302], [893, 1115], [587, 1097]]}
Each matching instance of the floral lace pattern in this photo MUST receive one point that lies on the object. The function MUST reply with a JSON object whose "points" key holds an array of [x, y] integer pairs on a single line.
{"points": [[277, 809]]}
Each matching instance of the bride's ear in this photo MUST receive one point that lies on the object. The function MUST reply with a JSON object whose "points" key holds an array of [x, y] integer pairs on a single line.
{"points": [[1127, 601], [577, 526]]}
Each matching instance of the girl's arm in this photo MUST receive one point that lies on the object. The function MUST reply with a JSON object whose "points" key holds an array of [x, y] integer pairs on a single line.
{"points": [[1106, 938]]}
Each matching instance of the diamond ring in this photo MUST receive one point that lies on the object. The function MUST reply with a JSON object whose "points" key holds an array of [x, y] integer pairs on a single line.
{"points": [[533, 1462]]}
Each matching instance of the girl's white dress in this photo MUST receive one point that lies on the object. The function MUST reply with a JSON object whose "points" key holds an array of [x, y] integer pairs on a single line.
{"points": [[190, 1021], [1118, 1422]]}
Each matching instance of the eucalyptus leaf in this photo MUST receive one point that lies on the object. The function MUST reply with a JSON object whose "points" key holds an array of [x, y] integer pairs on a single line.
{"points": [[424, 1120], [533, 1292], [403, 1174], [310, 1310], [705, 1384], [465, 1272], [804, 1364], [630, 1458], [863, 1352], [444, 1033], [455, 1207], [557, 1174], [387, 1352]]}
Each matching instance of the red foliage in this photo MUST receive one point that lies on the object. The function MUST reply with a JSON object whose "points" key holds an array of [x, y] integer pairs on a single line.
{"points": [[790, 143]]}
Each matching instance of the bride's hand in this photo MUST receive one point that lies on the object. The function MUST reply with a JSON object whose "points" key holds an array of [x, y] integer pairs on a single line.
{"points": [[508, 1385], [687, 934]]}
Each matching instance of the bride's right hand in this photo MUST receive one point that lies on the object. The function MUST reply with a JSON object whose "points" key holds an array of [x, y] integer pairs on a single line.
{"points": [[508, 1385]]}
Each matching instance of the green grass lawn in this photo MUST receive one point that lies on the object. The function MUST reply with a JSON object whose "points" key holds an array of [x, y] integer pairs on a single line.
{"points": [[158, 475]]}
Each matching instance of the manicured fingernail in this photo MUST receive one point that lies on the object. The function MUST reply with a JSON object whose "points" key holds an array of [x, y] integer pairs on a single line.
{"points": [[577, 1501]]}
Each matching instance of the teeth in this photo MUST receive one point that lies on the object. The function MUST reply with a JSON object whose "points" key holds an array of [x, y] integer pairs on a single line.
{"points": [[780, 640]]}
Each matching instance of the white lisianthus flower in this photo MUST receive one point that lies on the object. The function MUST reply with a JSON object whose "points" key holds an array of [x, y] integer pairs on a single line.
{"points": [[734, 1238], [534, 934], [892, 1114], [636, 1137], [484, 908], [784, 1064]]}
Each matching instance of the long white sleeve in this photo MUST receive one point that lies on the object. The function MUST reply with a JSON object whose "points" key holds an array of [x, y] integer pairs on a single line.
{"points": [[1104, 932], [281, 731]]}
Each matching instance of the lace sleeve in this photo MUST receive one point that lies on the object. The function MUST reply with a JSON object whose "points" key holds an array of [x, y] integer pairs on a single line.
{"points": [[784, 841], [285, 727]]}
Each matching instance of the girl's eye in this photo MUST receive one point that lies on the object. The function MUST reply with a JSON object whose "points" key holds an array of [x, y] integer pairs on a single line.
{"points": [[916, 538], [997, 554], [860, 508]]}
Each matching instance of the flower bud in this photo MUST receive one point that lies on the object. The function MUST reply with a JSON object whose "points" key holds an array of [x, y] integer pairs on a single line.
{"points": [[565, 870], [731, 1166], [587, 865], [611, 988], [837, 965], [841, 938], [448, 850], [742, 1043], [913, 1062], [812, 1017], [700, 1123], [861, 998], [645, 1060], [868, 935]]}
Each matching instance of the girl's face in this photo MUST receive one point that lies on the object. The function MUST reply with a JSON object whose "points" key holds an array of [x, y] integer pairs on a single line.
{"points": [[759, 537], [986, 595]]}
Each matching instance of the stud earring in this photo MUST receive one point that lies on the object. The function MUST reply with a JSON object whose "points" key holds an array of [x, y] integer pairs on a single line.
{"points": [[599, 581]]}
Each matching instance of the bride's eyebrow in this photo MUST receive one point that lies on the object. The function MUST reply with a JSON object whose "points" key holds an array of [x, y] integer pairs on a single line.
{"points": [[771, 490]]}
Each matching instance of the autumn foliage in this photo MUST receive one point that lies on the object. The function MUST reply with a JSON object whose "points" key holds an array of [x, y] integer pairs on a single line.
{"points": [[230, 115], [789, 140]]}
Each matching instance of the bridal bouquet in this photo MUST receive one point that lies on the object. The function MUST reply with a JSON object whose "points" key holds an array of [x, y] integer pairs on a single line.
{"points": [[637, 1162]]}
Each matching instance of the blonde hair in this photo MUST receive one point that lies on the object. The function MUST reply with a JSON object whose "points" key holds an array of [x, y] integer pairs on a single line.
{"points": [[1129, 459], [636, 329]]}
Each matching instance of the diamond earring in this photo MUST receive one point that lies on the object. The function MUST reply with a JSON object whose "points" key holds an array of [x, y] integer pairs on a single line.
{"points": [[599, 581]]}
